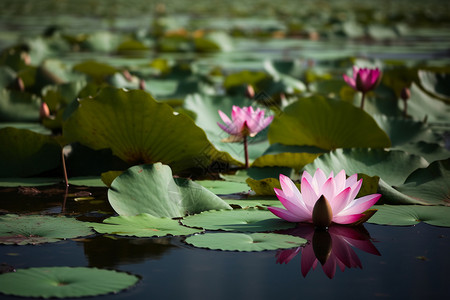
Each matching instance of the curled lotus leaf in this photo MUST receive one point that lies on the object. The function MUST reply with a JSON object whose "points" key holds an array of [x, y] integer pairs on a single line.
{"points": [[138, 129]]}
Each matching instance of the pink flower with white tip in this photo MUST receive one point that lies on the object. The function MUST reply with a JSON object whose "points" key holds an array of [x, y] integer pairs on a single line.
{"points": [[323, 200], [245, 121]]}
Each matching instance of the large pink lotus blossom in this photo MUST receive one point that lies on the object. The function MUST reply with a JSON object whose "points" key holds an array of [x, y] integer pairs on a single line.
{"points": [[322, 199], [329, 248], [245, 121], [363, 79]]}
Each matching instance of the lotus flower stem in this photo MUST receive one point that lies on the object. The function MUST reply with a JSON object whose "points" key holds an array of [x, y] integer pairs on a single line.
{"points": [[362, 100], [66, 179], [246, 152]]}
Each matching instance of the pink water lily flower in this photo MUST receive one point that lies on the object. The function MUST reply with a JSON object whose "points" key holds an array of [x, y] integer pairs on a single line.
{"points": [[363, 79], [322, 199], [245, 121]]}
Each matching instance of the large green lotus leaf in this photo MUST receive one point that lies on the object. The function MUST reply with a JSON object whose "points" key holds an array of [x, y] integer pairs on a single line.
{"points": [[430, 185], [22, 230], [244, 220], [402, 131], [30, 181], [392, 166], [326, 124], [254, 203], [421, 106], [152, 189], [138, 129], [24, 153], [86, 181], [219, 187], [18, 106], [206, 108], [231, 241], [96, 70], [64, 282], [243, 78], [35, 127], [403, 215], [143, 225], [437, 84], [430, 151], [295, 157], [259, 173]]}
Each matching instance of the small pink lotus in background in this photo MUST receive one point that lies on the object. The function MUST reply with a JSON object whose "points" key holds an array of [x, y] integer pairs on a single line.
{"points": [[363, 80], [323, 200], [331, 248], [244, 122]]}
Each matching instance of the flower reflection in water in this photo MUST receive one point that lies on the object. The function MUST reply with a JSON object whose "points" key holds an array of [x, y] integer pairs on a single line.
{"points": [[330, 248]]}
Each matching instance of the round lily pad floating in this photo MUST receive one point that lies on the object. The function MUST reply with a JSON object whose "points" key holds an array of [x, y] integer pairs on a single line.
{"points": [[22, 230], [64, 282], [231, 241], [404, 215], [143, 225], [244, 220]]}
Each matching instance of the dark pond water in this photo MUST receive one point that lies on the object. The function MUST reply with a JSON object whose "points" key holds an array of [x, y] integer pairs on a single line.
{"points": [[413, 263]]}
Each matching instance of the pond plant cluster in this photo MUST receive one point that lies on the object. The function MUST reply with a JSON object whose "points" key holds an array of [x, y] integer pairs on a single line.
{"points": [[238, 136]]}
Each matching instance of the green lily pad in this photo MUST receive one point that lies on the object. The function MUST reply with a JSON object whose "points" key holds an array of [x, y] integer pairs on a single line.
{"points": [[224, 187], [429, 185], [436, 84], [254, 203], [18, 106], [96, 70], [64, 282], [138, 129], [430, 151], [258, 173], [143, 225], [87, 181], [295, 157], [35, 127], [244, 220], [326, 124], [30, 181], [22, 230], [421, 106], [25, 153], [392, 166], [403, 215], [230, 241], [152, 189], [402, 131]]}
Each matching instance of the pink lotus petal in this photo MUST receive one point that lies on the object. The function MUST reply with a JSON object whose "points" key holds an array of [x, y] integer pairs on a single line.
{"points": [[355, 189], [224, 117], [319, 180], [340, 201], [328, 189], [339, 181], [293, 206], [309, 195], [350, 81], [347, 219], [286, 215], [351, 180], [227, 129], [360, 205]]}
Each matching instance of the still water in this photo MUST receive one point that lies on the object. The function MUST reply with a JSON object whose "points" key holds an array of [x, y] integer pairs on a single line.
{"points": [[413, 264]]}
